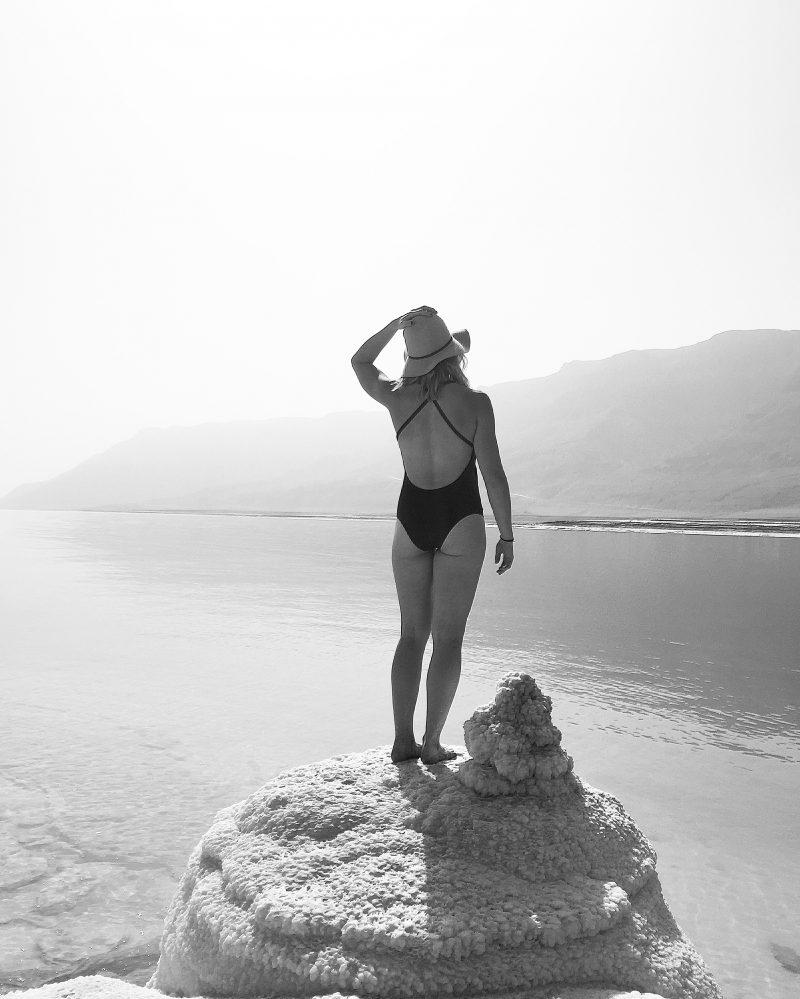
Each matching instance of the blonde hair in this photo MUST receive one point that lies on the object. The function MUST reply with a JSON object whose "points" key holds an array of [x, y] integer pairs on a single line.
{"points": [[451, 369]]}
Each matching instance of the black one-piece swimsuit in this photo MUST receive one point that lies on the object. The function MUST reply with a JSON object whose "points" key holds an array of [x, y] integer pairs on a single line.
{"points": [[428, 515]]}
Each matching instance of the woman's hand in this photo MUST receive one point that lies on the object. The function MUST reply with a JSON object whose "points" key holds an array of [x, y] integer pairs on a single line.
{"points": [[408, 317], [504, 551]]}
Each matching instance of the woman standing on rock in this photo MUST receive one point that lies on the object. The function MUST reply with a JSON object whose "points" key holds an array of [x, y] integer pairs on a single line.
{"points": [[440, 535]]}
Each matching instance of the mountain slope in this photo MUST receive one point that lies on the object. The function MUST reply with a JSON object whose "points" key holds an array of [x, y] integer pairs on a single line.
{"points": [[710, 429]]}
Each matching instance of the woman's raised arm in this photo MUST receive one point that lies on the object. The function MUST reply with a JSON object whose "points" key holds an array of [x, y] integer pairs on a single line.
{"points": [[374, 382]]}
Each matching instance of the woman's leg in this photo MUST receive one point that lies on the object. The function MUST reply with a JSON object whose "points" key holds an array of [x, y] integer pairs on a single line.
{"points": [[413, 576], [456, 570]]}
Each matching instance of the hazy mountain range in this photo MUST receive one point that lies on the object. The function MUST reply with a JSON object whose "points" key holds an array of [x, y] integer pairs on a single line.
{"points": [[707, 430]]}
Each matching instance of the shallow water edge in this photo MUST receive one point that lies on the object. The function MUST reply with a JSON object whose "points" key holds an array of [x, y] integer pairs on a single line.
{"points": [[737, 526]]}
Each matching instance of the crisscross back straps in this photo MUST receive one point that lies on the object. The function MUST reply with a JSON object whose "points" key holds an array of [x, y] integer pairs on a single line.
{"points": [[442, 413], [405, 423], [449, 424]]}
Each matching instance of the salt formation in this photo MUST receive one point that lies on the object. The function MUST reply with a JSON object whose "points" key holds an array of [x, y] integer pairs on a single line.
{"points": [[515, 747], [502, 874]]}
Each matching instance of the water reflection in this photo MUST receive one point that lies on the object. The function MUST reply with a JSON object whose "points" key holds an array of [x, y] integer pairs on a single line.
{"points": [[702, 631]]}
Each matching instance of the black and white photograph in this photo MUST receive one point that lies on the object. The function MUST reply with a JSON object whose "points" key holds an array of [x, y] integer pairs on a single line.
{"points": [[400, 499]]}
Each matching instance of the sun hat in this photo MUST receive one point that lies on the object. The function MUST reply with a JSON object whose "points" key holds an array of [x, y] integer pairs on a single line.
{"points": [[429, 341]]}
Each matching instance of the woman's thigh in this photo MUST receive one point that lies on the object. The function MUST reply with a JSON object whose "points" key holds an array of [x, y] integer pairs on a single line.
{"points": [[413, 577], [456, 571]]}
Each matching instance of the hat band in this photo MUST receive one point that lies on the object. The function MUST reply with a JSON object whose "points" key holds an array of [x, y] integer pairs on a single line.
{"points": [[422, 357]]}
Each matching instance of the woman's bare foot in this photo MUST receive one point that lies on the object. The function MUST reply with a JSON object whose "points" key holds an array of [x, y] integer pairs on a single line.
{"points": [[435, 752], [405, 750]]}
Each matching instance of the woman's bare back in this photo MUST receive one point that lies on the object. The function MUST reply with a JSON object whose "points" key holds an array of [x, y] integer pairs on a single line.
{"points": [[432, 454]]}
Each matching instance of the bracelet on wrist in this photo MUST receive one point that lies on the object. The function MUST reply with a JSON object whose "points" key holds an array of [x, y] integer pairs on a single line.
{"points": [[509, 541]]}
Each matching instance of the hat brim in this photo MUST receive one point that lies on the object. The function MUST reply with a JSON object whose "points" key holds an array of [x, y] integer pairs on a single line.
{"points": [[459, 344], [462, 336]]}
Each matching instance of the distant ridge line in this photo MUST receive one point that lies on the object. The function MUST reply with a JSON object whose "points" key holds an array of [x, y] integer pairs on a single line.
{"points": [[708, 430]]}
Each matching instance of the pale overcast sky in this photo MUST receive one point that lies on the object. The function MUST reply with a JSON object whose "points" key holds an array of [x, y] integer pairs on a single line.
{"points": [[207, 206]]}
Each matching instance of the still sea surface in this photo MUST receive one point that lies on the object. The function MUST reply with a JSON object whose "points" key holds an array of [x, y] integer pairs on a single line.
{"points": [[157, 667]]}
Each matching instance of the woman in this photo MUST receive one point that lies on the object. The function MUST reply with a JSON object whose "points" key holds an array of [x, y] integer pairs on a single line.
{"points": [[440, 536]]}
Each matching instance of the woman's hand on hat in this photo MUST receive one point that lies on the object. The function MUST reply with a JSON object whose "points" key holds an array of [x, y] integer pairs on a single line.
{"points": [[408, 317]]}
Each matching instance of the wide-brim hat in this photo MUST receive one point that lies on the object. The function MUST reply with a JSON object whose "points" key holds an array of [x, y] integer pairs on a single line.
{"points": [[429, 341]]}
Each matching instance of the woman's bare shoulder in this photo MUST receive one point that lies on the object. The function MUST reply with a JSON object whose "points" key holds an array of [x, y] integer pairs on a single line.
{"points": [[463, 391], [459, 395], [476, 399]]}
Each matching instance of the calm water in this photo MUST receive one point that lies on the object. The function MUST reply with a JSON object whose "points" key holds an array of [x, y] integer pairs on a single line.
{"points": [[154, 668]]}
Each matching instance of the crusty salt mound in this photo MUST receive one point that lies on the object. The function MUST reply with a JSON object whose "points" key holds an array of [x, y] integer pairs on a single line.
{"points": [[499, 875], [515, 747]]}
